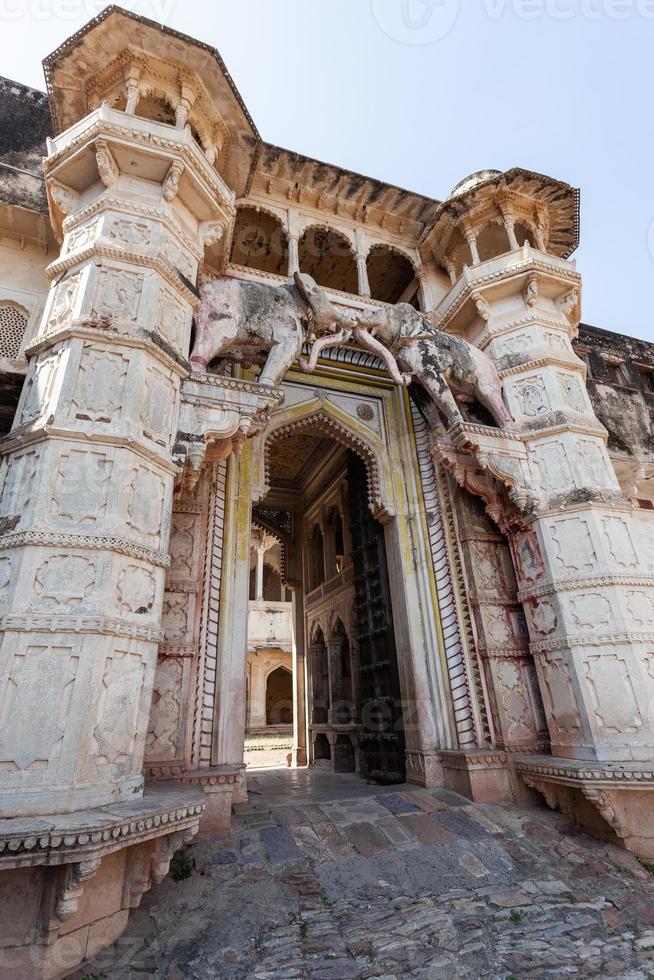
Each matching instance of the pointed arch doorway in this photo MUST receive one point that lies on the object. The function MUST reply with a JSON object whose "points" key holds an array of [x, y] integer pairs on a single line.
{"points": [[348, 708]]}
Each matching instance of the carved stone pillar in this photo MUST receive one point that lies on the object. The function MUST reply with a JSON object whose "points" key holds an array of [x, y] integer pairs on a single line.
{"points": [[88, 474], [583, 571], [363, 286]]}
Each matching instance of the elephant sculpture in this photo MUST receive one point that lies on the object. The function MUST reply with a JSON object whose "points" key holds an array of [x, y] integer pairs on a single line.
{"points": [[411, 348], [242, 319]]}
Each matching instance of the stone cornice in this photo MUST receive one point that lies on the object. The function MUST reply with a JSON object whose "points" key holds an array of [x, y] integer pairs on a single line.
{"points": [[631, 775], [98, 332], [116, 253], [19, 438], [98, 126], [94, 542], [592, 582], [86, 834], [539, 362], [52, 622], [594, 637]]}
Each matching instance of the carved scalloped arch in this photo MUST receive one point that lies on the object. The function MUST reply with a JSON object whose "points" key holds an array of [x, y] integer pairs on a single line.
{"points": [[324, 417]]}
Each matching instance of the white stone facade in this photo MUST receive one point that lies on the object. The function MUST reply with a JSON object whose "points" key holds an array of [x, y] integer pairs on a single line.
{"points": [[508, 570]]}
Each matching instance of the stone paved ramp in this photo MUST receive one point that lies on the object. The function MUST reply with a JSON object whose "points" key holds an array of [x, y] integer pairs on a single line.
{"points": [[399, 882]]}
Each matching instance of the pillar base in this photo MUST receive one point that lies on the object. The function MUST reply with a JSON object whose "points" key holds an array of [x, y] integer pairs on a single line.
{"points": [[610, 800], [480, 774], [223, 786], [424, 768], [69, 881]]}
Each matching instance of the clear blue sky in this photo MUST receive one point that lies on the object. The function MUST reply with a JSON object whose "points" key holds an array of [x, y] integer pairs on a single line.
{"points": [[423, 92]]}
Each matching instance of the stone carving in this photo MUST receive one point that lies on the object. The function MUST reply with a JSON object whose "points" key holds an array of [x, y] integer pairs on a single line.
{"points": [[365, 412], [130, 232], [99, 389], [137, 588], [594, 463], [81, 486], [145, 504], [554, 466], [118, 708], [528, 552], [118, 295], [158, 406], [64, 301], [166, 710], [572, 393], [514, 701], [497, 627], [530, 292], [574, 544], [619, 541], [520, 343], [44, 676], [533, 397], [173, 318], [640, 606], [107, 166], [182, 546], [64, 579], [613, 694], [175, 619], [171, 183], [39, 387], [563, 706], [19, 477], [591, 610], [241, 319], [544, 618], [81, 237], [410, 347]]}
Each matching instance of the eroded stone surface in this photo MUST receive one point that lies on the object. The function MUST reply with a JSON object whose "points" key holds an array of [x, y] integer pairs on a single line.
{"points": [[506, 891]]}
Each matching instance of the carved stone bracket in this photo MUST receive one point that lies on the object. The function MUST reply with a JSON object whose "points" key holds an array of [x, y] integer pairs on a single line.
{"points": [[75, 878], [217, 416], [492, 464], [615, 790]]}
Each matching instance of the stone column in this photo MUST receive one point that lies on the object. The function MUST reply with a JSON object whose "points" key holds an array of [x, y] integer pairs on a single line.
{"points": [[87, 479], [259, 573], [471, 239], [257, 695], [293, 255], [584, 572], [362, 266]]}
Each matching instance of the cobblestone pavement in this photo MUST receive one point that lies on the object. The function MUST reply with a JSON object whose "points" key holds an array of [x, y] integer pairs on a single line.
{"points": [[326, 878]]}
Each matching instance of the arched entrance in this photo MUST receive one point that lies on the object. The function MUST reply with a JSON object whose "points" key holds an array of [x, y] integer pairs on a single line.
{"points": [[329, 480], [279, 697]]}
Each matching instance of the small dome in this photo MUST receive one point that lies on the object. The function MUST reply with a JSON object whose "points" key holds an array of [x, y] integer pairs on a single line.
{"points": [[468, 183]]}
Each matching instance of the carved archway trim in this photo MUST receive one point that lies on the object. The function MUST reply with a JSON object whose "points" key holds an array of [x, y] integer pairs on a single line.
{"points": [[329, 420]]}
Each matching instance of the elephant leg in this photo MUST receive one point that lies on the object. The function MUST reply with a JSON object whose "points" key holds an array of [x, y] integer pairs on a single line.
{"points": [[438, 388], [280, 358]]}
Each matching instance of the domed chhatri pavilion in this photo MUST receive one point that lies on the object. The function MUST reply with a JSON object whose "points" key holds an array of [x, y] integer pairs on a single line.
{"points": [[292, 454]]}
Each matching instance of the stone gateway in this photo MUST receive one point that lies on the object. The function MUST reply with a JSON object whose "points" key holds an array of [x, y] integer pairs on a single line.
{"points": [[293, 462]]}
